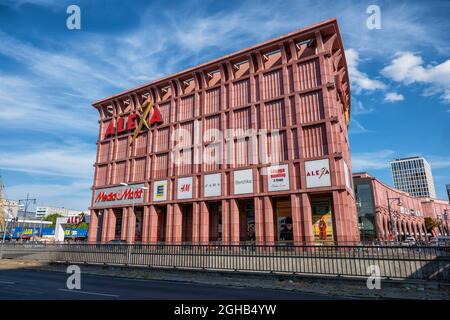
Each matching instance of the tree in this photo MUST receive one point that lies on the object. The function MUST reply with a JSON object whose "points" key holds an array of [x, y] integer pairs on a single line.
{"points": [[431, 224], [52, 218]]}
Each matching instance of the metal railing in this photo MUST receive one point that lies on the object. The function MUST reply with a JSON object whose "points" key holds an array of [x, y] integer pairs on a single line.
{"points": [[415, 262]]}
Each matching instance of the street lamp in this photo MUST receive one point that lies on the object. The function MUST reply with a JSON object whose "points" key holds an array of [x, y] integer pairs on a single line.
{"points": [[390, 213], [446, 220], [133, 201]]}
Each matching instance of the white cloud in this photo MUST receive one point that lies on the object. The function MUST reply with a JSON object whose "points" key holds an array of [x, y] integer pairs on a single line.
{"points": [[372, 160], [393, 97], [408, 68], [73, 161], [360, 81], [73, 195], [359, 109]]}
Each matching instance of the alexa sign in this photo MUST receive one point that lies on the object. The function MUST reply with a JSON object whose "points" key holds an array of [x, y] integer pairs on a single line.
{"points": [[129, 123], [278, 178], [317, 173]]}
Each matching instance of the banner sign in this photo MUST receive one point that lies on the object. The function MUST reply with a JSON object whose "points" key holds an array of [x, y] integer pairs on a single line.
{"points": [[119, 195], [184, 188], [317, 173], [160, 190], [348, 180], [213, 185], [278, 178], [243, 181]]}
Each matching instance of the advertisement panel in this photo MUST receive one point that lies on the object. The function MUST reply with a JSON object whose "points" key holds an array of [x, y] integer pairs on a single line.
{"points": [[212, 185], [243, 181], [106, 197], [348, 180], [160, 190], [322, 221], [278, 177], [184, 188], [317, 173]]}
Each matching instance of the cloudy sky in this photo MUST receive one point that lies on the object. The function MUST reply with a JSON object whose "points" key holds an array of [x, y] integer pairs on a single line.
{"points": [[49, 76]]}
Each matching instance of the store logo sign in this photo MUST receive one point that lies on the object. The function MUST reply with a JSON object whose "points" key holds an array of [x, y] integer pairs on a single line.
{"points": [[243, 181], [213, 185], [317, 173], [184, 190], [278, 178], [119, 195], [160, 190], [129, 124]]}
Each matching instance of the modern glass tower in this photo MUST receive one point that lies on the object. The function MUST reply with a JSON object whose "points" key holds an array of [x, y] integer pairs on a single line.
{"points": [[413, 175]]}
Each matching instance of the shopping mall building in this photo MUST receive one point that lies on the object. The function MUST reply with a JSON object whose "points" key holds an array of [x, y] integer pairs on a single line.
{"points": [[252, 146], [388, 214]]}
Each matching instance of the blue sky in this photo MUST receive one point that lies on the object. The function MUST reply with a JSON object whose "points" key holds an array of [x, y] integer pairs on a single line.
{"points": [[49, 76]]}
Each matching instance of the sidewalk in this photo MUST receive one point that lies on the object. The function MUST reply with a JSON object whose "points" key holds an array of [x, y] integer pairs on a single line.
{"points": [[331, 286]]}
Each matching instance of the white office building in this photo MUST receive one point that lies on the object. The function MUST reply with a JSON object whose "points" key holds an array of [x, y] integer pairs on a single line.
{"points": [[44, 211], [413, 175]]}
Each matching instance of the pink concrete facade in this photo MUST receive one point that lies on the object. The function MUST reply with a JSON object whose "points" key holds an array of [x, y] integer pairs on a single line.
{"points": [[296, 85], [407, 214], [437, 209]]}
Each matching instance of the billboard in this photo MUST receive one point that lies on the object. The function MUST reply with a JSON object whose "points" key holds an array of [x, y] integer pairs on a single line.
{"points": [[322, 221], [278, 178], [119, 195], [160, 190], [184, 188], [243, 181], [213, 185], [317, 173]]}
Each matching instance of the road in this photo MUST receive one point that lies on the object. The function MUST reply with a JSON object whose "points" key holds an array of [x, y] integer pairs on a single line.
{"points": [[26, 284]]}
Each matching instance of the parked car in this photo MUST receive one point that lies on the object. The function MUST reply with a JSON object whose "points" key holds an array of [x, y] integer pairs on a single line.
{"points": [[8, 236], [116, 241], [409, 241], [440, 241]]}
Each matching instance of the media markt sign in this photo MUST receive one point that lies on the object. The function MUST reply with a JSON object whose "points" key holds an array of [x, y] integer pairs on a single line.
{"points": [[119, 195], [317, 173], [278, 177], [184, 188], [212, 185], [243, 181], [160, 190]]}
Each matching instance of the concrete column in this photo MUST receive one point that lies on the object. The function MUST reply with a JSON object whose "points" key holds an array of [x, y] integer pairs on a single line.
{"points": [[196, 223], [259, 221], [307, 223], [124, 229], [93, 227], [340, 234], [297, 219], [145, 224], [111, 225], [169, 224], [106, 214], [234, 221], [177, 224], [131, 226], [152, 225], [269, 222], [204, 222], [225, 221]]}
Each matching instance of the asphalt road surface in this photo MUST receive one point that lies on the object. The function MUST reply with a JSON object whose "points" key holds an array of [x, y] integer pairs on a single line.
{"points": [[31, 284]]}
